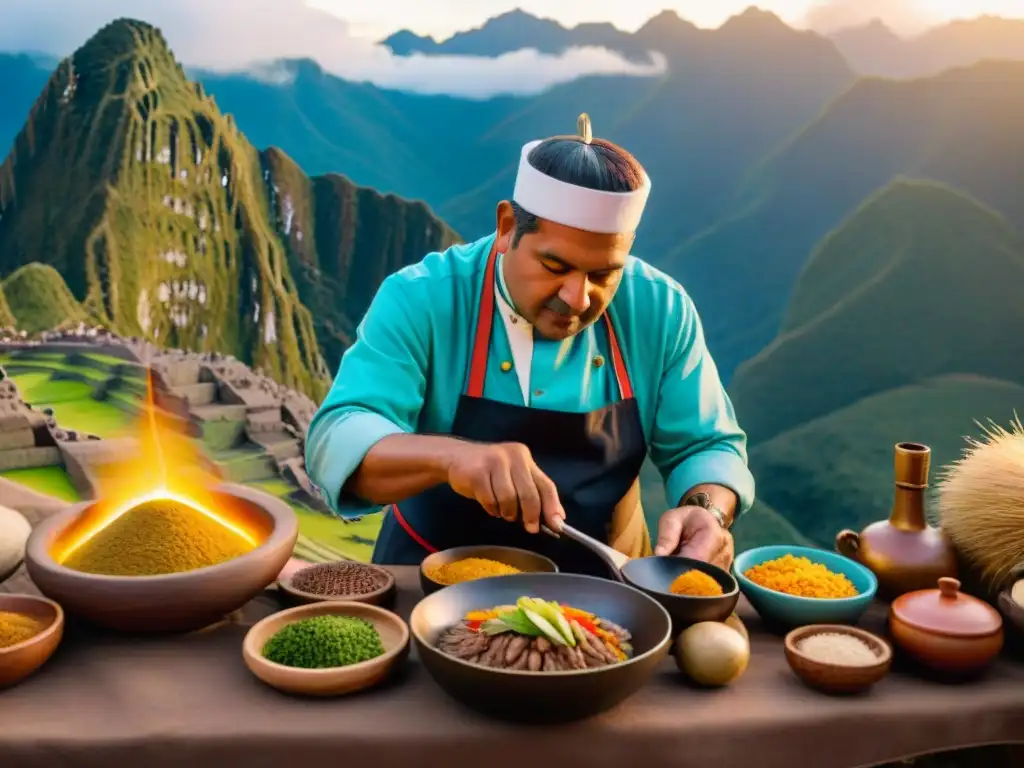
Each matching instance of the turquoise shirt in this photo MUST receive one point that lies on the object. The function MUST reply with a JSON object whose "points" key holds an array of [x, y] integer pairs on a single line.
{"points": [[409, 365]]}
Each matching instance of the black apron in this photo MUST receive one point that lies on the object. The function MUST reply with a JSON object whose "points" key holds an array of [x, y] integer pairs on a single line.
{"points": [[593, 458]]}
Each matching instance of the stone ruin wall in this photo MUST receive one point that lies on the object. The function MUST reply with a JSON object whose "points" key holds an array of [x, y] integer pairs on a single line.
{"points": [[276, 417]]}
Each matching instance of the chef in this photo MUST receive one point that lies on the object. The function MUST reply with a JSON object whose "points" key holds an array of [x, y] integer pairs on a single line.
{"points": [[521, 380]]}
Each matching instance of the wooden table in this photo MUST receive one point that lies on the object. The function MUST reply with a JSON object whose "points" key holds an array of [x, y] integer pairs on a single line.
{"points": [[106, 700]]}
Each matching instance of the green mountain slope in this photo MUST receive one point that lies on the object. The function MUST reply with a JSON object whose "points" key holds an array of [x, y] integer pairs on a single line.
{"points": [[919, 282], [150, 203], [38, 299], [836, 472], [6, 316], [420, 147], [166, 222], [963, 127], [762, 526], [342, 241]]}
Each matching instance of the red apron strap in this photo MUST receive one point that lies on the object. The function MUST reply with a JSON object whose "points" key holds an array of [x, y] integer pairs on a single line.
{"points": [[482, 336], [621, 374], [400, 519]]}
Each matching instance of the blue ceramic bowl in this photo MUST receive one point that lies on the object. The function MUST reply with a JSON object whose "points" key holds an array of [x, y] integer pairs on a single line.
{"points": [[781, 611]]}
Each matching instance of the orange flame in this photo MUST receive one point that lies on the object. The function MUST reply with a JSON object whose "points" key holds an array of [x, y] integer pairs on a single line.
{"points": [[166, 465]]}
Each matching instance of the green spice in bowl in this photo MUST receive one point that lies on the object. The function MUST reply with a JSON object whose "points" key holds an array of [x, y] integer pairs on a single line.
{"points": [[326, 648], [322, 642]]}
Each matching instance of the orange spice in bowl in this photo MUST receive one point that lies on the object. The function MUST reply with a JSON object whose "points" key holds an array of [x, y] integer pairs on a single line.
{"points": [[801, 577], [696, 584]]}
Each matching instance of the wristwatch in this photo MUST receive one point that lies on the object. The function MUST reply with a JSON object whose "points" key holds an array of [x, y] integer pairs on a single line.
{"points": [[703, 500]]}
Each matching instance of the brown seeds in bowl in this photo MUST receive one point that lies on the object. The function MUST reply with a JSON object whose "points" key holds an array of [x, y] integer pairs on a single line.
{"points": [[339, 578]]}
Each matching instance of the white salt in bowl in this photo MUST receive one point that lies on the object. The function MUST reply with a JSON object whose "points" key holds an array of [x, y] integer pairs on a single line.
{"points": [[837, 675]]}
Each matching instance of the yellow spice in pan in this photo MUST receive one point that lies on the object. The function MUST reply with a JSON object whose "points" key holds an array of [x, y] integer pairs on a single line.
{"points": [[468, 569]]}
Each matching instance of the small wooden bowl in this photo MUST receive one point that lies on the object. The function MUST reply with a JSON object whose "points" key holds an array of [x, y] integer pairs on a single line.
{"points": [[383, 596], [334, 681], [172, 602], [19, 661], [524, 560], [837, 678]]}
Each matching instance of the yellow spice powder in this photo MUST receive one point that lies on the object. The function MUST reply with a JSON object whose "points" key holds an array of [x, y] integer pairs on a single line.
{"points": [[800, 577], [17, 628], [695, 583], [468, 569], [155, 538]]}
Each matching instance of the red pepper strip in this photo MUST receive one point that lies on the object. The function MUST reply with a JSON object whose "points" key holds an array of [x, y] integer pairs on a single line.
{"points": [[586, 624], [581, 618], [474, 626]]}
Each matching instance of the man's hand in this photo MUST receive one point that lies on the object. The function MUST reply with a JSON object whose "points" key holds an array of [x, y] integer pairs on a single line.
{"points": [[694, 532], [506, 482]]}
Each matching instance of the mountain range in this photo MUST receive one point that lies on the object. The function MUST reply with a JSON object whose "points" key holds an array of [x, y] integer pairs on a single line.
{"points": [[155, 216], [852, 242], [902, 326], [874, 49], [870, 49], [962, 127], [719, 109]]}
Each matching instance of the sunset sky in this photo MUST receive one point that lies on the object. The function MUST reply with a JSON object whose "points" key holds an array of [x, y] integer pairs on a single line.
{"points": [[341, 35], [442, 17]]}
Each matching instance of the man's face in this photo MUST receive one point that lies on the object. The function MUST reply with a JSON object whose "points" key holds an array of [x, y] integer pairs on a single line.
{"points": [[561, 279]]}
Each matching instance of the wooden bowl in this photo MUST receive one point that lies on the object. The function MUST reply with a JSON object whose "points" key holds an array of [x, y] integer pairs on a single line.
{"points": [[335, 681], [523, 559], [837, 678], [543, 697], [176, 602], [654, 575], [383, 596], [22, 659]]}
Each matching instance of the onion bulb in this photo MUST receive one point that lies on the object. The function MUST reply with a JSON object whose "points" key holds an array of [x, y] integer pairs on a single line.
{"points": [[712, 653]]}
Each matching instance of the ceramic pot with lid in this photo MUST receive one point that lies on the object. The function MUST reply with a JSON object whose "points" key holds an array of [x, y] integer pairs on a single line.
{"points": [[946, 630]]}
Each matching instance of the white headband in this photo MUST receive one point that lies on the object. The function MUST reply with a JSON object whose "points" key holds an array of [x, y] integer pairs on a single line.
{"points": [[578, 207]]}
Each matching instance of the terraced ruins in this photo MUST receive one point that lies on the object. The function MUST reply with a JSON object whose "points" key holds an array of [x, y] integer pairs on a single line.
{"points": [[67, 404]]}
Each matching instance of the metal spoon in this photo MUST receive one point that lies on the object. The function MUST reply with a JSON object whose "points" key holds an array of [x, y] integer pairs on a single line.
{"points": [[614, 559]]}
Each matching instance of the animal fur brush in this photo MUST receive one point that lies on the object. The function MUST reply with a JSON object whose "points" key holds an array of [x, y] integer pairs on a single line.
{"points": [[981, 504]]}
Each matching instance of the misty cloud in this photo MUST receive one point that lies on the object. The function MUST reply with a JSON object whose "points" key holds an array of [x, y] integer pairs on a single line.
{"points": [[902, 16], [247, 35]]}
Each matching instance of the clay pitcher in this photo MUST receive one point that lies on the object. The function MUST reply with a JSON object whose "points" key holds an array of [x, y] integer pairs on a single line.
{"points": [[904, 552]]}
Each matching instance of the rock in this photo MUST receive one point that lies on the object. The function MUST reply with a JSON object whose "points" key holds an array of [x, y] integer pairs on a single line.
{"points": [[14, 532]]}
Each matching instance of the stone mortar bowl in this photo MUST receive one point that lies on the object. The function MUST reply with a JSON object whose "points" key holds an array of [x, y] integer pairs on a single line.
{"points": [[176, 602]]}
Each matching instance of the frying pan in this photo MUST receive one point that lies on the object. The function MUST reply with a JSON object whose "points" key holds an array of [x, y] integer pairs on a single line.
{"points": [[652, 575], [542, 697]]}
